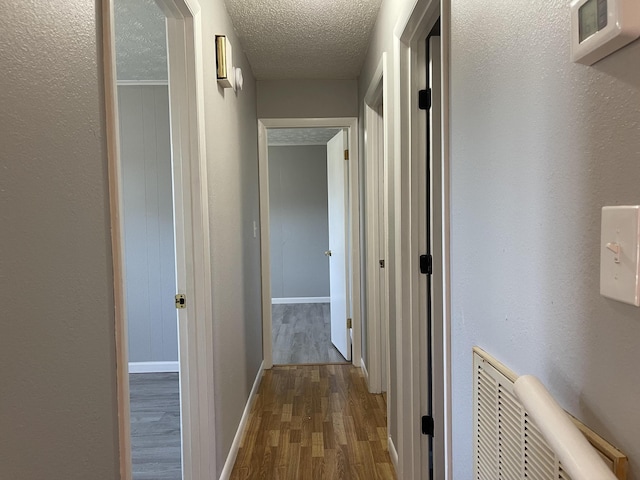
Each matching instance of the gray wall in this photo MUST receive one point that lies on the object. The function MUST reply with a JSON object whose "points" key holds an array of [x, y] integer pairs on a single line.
{"points": [[148, 223], [57, 348], [232, 163], [58, 408], [539, 145], [307, 98], [298, 221]]}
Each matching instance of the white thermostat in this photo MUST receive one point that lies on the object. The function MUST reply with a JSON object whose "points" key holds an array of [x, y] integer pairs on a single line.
{"points": [[600, 27]]}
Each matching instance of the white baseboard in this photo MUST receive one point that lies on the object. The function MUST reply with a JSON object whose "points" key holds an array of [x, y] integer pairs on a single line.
{"points": [[280, 301], [154, 367], [393, 453], [365, 372], [235, 446]]}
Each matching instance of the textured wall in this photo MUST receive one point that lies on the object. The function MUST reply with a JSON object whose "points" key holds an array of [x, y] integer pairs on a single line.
{"points": [[149, 250], [58, 409], [232, 162], [299, 224], [307, 98], [285, 39], [539, 145], [141, 40]]}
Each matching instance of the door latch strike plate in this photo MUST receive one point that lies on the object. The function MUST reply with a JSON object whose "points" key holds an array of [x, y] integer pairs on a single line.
{"points": [[427, 425], [426, 264], [181, 301]]}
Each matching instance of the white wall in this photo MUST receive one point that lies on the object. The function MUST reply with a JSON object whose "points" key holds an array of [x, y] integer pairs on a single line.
{"points": [[232, 162], [539, 145], [307, 98], [58, 407], [299, 224], [149, 249]]}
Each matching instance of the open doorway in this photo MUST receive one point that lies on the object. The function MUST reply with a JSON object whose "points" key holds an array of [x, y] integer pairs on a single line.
{"points": [[149, 233], [159, 238], [302, 275], [310, 285]]}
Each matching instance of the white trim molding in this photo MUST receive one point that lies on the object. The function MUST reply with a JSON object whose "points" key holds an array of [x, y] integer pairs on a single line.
{"points": [[410, 192], [292, 300], [393, 454], [154, 367], [244, 420], [376, 160]]}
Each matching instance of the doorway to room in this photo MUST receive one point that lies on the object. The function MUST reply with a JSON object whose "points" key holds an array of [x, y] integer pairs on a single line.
{"points": [[155, 136], [307, 226], [303, 271], [149, 245]]}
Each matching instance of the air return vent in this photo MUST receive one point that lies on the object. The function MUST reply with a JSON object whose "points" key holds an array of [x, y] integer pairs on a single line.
{"points": [[506, 443]]}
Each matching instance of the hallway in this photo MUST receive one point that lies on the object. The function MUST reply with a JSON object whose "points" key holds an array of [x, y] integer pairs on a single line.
{"points": [[315, 422]]}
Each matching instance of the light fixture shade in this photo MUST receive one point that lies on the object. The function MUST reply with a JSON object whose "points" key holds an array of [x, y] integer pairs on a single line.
{"points": [[224, 62]]}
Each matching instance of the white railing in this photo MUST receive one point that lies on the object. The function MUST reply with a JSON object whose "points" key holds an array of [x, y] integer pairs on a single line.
{"points": [[578, 457]]}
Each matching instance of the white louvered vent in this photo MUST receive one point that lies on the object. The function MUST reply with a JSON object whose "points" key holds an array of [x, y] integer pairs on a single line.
{"points": [[507, 444]]}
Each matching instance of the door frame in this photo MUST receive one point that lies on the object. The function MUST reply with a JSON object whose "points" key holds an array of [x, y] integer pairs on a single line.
{"points": [[410, 34], [353, 240], [377, 150], [191, 217]]}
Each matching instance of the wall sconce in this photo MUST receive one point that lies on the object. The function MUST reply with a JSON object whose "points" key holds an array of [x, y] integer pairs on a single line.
{"points": [[228, 76]]}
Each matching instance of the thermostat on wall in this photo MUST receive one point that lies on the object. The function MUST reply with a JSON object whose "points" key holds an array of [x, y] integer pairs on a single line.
{"points": [[600, 27]]}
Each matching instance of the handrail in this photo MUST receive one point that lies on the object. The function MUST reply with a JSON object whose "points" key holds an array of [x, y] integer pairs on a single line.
{"points": [[578, 457]]}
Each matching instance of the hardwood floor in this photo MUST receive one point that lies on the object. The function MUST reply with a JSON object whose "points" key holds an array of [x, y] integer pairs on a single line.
{"points": [[155, 426], [314, 423], [302, 334]]}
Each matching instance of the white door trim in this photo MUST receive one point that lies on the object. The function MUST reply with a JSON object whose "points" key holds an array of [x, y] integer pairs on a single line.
{"points": [[411, 31], [376, 151], [354, 225], [184, 38]]}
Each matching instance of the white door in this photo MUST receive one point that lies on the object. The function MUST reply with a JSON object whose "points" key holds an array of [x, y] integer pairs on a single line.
{"points": [[338, 258]]}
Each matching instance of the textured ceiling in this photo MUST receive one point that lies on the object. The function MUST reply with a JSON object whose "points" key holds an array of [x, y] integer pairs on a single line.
{"points": [[141, 45], [320, 39], [300, 136]]}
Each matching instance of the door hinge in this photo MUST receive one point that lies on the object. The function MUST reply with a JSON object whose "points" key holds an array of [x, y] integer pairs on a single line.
{"points": [[424, 99], [181, 300], [426, 264], [381, 263], [346, 154], [427, 425], [349, 322]]}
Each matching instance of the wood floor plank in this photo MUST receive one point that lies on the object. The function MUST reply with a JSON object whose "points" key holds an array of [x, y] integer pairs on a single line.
{"points": [[315, 422]]}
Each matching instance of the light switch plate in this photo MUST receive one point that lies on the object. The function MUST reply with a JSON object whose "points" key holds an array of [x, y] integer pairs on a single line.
{"points": [[619, 268]]}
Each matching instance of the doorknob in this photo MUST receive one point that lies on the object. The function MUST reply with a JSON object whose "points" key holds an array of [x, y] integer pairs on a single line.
{"points": [[328, 253]]}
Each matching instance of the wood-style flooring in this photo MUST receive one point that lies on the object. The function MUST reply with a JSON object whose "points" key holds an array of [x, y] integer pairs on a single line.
{"points": [[314, 423], [155, 426], [302, 334]]}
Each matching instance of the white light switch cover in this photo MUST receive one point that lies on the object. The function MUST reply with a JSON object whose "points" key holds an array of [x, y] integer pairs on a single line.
{"points": [[620, 231]]}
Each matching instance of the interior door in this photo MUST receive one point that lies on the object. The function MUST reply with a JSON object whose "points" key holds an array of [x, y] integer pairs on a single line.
{"points": [[338, 258], [433, 242], [381, 198]]}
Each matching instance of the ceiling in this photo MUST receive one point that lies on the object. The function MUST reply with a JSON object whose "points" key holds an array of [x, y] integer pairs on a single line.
{"points": [[300, 136], [321, 39], [141, 44]]}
